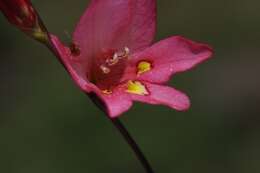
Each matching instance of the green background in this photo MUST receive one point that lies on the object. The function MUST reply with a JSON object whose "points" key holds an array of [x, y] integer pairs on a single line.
{"points": [[47, 125]]}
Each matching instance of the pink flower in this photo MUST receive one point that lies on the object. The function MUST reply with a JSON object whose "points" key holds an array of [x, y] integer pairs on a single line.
{"points": [[113, 60]]}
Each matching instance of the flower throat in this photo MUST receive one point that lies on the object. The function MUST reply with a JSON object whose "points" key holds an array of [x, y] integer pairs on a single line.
{"points": [[108, 67]]}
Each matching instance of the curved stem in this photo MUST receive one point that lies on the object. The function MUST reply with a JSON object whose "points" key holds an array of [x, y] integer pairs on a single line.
{"points": [[139, 154]]}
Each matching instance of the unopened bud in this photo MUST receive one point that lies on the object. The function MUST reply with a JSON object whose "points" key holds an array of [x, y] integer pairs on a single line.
{"points": [[22, 14]]}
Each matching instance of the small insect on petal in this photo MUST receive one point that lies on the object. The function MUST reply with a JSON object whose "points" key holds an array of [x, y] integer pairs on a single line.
{"points": [[74, 49], [136, 87], [143, 66]]}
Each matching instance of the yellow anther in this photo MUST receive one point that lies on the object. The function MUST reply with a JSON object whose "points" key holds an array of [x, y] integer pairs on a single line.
{"points": [[136, 87], [143, 66], [107, 92]]}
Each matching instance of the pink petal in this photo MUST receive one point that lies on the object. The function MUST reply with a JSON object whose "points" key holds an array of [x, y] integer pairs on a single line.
{"points": [[75, 70], [169, 56], [163, 95], [115, 24], [115, 103], [142, 28]]}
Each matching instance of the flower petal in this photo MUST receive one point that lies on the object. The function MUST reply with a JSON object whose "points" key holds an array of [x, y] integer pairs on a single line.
{"points": [[119, 100], [163, 95], [110, 24], [114, 103], [75, 70], [142, 27], [167, 57]]}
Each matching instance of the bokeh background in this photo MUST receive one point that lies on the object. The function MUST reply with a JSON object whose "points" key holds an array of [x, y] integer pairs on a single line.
{"points": [[48, 125]]}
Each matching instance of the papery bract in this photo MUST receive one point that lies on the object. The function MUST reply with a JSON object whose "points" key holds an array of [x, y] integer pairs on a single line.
{"points": [[116, 63]]}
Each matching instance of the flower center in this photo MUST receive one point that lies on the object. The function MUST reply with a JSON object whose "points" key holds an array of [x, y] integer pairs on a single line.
{"points": [[108, 67]]}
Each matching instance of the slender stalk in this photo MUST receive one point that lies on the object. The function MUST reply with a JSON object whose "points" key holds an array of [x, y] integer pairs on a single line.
{"points": [[139, 154]]}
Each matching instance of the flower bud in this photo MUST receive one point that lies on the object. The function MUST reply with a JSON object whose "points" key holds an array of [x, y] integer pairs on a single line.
{"points": [[22, 14]]}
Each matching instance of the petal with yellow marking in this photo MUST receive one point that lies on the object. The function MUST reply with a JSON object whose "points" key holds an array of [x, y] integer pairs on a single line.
{"points": [[136, 87], [143, 66]]}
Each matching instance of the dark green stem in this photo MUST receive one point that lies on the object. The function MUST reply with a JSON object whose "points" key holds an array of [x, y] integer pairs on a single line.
{"points": [[139, 154]]}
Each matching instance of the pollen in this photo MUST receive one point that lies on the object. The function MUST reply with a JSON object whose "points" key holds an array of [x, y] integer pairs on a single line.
{"points": [[136, 87], [143, 66]]}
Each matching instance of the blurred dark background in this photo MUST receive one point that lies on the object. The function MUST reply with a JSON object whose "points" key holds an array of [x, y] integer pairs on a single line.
{"points": [[48, 125]]}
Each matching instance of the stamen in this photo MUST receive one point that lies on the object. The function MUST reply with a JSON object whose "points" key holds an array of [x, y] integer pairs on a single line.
{"points": [[118, 56], [115, 56], [113, 61], [127, 51], [105, 69], [124, 54]]}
